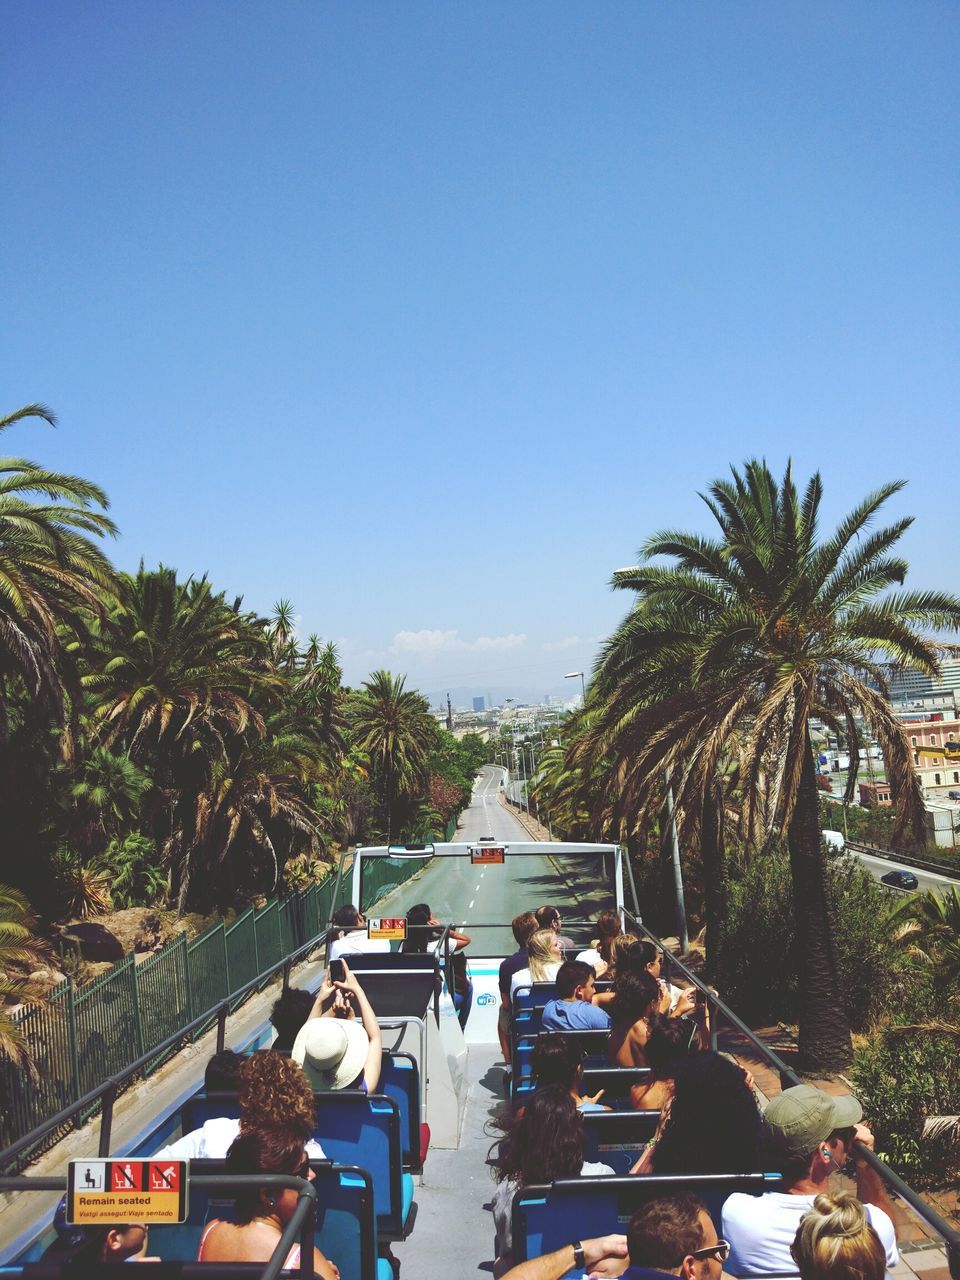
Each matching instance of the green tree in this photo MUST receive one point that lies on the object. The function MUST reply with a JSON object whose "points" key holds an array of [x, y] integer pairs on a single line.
{"points": [[754, 634], [927, 928], [19, 951], [393, 726], [108, 794]]}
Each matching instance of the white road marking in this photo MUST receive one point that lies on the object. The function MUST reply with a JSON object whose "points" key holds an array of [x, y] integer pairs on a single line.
{"points": [[470, 905]]}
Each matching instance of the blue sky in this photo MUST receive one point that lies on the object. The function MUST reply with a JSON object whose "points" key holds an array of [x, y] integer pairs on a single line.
{"points": [[424, 316]]}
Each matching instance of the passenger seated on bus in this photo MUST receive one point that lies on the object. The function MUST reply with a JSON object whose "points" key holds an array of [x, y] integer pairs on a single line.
{"points": [[290, 1011], [543, 961], [598, 953], [550, 918], [425, 933], [637, 999], [673, 1236], [712, 1123], [810, 1136], [573, 1009], [544, 1143], [336, 1049], [557, 1060], [835, 1241], [622, 945], [120, 1242], [222, 1073], [351, 939], [273, 1092], [670, 1042], [260, 1214], [524, 927]]}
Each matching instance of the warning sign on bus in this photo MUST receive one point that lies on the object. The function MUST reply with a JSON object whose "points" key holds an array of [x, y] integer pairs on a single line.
{"points": [[487, 854], [394, 930], [111, 1191]]}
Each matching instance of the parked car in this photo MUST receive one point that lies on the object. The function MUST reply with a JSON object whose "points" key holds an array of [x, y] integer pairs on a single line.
{"points": [[900, 879]]}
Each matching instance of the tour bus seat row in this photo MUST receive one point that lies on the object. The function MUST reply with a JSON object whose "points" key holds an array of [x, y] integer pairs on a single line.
{"points": [[617, 1138], [399, 1079], [592, 1043], [542, 1214], [616, 1083], [353, 1128], [345, 1229]]}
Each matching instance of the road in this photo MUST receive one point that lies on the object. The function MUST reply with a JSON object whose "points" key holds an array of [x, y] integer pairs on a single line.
{"points": [[880, 866], [471, 896]]}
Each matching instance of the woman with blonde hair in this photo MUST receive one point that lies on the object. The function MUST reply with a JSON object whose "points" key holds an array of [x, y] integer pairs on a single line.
{"points": [[835, 1241], [543, 960]]}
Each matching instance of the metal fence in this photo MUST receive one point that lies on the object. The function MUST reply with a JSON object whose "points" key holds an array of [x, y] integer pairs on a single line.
{"points": [[84, 1035]]}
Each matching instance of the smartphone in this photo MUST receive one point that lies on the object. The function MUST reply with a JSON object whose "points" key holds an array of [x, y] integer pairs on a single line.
{"points": [[336, 970]]}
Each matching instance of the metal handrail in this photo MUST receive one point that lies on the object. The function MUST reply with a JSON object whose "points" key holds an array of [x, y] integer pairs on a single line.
{"points": [[106, 1092], [716, 1006], [302, 1220]]}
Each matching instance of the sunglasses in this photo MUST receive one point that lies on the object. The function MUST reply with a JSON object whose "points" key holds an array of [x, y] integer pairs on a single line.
{"points": [[720, 1251]]}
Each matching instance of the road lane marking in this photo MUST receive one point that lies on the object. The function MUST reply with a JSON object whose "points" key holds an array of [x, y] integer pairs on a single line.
{"points": [[470, 905]]}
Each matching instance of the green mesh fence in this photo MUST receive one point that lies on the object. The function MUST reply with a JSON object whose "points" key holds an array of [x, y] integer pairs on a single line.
{"points": [[81, 1037]]}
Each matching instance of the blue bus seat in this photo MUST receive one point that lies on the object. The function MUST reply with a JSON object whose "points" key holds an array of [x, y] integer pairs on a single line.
{"points": [[345, 1230], [361, 1129], [593, 1044], [196, 1111], [617, 1138], [616, 1083], [400, 1080], [598, 1206]]}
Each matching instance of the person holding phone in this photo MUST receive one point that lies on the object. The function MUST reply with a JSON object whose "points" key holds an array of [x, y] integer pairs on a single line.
{"points": [[336, 1048]]}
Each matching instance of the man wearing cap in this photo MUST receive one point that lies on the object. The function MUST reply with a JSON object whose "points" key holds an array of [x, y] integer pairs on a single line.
{"points": [[811, 1136], [335, 1049]]}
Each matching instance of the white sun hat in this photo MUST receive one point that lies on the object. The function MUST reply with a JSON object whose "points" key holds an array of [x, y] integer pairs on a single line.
{"points": [[332, 1051]]}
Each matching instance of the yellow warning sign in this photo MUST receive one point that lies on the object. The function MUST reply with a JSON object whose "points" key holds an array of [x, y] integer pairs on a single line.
{"points": [[487, 854], [389, 930], [115, 1191]]}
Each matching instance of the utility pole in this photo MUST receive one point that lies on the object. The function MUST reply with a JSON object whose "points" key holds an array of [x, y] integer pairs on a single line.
{"points": [[670, 850]]}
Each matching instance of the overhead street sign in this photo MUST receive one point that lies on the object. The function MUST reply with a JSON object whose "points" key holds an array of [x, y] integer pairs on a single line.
{"points": [[113, 1191]]}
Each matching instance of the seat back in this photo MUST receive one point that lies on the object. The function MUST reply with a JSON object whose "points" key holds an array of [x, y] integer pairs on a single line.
{"points": [[542, 1214], [593, 1045], [345, 1229], [398, 984], [360, 1129], [616, 1083], [534, 996], [617, 1138], [400, 1080], [196, 1111]]}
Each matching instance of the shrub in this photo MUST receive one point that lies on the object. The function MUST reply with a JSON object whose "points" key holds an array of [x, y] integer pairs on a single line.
{"points": [[762, 948], [904, 1078]]}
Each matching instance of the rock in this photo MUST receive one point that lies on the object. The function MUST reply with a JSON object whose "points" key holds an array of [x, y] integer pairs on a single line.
{"points": [[47, 978], [93, 940], [150, 935]]}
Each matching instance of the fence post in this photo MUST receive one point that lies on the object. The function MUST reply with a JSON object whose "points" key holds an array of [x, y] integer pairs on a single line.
{"points": [[222, 1025], [108, 1098], [136, 1007], [74, 1052]]}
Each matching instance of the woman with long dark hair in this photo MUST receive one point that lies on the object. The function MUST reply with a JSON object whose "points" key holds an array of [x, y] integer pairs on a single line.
{"points": [[424, 932], [544, 1143], [711, 1125]]}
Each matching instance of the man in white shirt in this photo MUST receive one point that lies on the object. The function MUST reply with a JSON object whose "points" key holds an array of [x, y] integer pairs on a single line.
{"points": [[812, 1134], [354, 942]]}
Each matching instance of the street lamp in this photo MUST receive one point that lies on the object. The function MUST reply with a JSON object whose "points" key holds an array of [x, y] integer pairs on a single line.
{"points": [[572, 675]]}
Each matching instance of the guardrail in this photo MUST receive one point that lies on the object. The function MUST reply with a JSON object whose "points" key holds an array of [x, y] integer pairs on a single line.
{"points": [[894, 1182], [889, 855]]}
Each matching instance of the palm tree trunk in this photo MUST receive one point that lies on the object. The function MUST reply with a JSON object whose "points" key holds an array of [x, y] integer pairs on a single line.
{"points": [[715, 888], [825, 1044]]}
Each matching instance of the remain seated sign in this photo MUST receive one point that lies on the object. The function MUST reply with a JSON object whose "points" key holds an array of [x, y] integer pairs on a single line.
{"points": [[115, 1191]]}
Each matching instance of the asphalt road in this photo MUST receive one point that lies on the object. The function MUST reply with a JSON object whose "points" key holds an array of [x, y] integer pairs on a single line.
{"points": [[474, 898], [880, 866]]}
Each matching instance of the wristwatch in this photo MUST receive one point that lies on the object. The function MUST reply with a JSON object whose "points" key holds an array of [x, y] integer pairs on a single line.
{"points": [[579, 1257]]}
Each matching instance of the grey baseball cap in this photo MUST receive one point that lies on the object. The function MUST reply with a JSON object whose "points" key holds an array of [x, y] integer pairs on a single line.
{"points": [[801, 1117]]}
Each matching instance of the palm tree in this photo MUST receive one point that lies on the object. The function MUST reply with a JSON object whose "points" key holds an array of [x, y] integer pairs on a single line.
{"points": [[108, 793], [927, 926], [19, 951], [393, 726], [51, 576], [754, 634]]}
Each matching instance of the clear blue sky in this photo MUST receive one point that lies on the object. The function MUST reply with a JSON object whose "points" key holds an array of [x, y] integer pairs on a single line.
{"points": [[424, 316]]}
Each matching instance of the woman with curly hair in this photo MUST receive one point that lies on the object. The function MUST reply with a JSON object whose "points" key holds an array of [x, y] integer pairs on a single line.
{"points": [[259, 1215], [544, 1143], [274, 1093]]}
